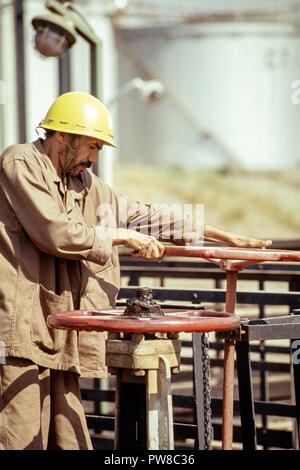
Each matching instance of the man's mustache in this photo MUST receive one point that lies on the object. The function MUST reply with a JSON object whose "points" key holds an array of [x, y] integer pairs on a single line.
{"points": [[85, 164]]}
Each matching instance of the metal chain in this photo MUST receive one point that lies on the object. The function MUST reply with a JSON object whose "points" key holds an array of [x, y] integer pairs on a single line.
{"points": [[208, 433]]}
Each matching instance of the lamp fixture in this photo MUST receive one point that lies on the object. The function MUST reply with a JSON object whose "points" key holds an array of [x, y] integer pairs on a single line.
{"points": [[54, 34]]}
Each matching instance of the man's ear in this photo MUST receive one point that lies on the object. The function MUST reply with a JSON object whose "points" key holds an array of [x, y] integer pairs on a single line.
{"points": [[61, 137]]}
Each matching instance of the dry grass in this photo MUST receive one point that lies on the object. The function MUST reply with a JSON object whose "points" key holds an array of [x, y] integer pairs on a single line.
{"points": [[260, 204]]}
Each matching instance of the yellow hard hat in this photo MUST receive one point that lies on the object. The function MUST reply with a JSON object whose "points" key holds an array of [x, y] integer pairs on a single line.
{"points": [[80, 113]]}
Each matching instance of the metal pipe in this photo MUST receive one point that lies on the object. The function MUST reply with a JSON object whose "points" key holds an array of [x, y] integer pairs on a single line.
{"points": [[243, 254], [64, 73], [20, 68], [228, 253], [64, 64], [228, 371]]}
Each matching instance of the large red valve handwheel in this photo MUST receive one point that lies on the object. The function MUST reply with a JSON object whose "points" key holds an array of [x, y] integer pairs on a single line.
{"points": [[171, 322]]}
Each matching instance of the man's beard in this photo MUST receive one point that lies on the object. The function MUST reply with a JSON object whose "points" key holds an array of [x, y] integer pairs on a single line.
{"points": [[70, 155]]}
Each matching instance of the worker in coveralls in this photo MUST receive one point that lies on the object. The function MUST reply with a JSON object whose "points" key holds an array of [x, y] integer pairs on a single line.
{"points": [[55, 256]]}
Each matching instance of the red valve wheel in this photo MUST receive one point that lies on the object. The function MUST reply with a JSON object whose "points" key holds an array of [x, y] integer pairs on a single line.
{"points": [[172, 321]]}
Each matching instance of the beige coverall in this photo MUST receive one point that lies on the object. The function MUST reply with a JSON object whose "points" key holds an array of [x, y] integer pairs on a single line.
{"points": [[51, 261]]}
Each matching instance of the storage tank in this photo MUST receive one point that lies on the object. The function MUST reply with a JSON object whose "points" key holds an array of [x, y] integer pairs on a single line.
{"points": [[229, 96]]}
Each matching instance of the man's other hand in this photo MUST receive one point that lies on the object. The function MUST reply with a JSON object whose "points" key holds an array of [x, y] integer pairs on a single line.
{"points": [[144, 246]]}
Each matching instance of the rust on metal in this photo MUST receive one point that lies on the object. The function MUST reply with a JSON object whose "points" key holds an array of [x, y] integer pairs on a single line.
{"points": [[143, 305]]}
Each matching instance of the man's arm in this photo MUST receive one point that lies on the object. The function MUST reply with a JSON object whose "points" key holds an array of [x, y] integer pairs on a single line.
{"points": [[215, 234], [173, 227]]}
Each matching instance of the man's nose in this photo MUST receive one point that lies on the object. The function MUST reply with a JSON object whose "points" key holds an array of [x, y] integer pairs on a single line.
{"points": [[93, 157]]}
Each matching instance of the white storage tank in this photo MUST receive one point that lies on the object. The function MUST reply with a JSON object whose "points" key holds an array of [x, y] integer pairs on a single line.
{"points": [[230, 96]]}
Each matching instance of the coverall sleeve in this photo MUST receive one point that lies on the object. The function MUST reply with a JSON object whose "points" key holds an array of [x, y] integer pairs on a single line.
{"points": [[44, 218], [166, 222]]}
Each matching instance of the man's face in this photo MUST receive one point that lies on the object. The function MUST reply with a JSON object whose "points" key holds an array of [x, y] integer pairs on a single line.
{"points": [[85, 156]]}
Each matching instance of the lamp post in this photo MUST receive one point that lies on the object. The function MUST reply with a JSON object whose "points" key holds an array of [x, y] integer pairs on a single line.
{"points": [[57, 32], [65, 21]]}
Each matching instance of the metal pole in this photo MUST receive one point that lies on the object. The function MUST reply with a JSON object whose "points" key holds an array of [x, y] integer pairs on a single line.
{"points": [[247, 411], [64, 73], [64, 70], [96, 68], [228, 372], [96, 80], [20, 68], [2, 84]]}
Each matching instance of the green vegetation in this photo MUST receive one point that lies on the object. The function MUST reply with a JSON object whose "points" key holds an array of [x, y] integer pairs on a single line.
{"points": [[260, 204]]}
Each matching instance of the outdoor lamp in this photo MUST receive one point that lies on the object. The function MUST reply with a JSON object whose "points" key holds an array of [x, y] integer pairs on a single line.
{"points": [[150, 90], [54, 34]]}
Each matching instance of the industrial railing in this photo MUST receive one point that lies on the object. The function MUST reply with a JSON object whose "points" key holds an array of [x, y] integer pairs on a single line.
{"points": [[133, 270]]}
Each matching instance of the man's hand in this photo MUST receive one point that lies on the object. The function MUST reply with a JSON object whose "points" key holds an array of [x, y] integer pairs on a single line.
{"points": [[240, 241], [215, 234], [144, 246]]}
